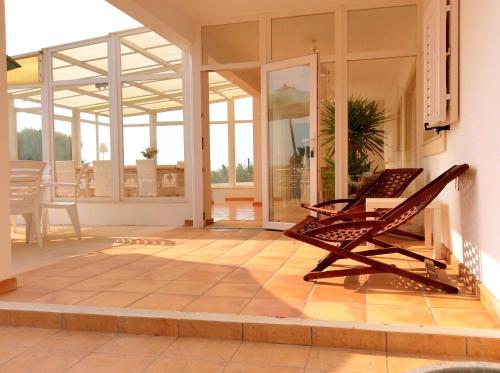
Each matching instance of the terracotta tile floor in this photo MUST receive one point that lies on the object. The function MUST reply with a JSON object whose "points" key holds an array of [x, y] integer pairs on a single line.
{"points": [[236, 210], [47, 350], [248, 272], [236, 214]]}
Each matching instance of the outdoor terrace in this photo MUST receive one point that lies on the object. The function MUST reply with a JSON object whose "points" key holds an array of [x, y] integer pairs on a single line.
{"points": [[240, 272]]}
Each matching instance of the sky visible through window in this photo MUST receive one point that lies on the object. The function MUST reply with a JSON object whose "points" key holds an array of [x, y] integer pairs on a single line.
{"points": [[219, 152], [36, 24]]}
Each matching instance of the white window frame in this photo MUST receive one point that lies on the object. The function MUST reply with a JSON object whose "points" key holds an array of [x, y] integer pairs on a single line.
{"points": [[114, 79], [231, 127], [340, 57]]}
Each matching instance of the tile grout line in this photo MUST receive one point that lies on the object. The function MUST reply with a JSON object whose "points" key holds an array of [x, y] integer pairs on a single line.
{"points": [[226, 363]]}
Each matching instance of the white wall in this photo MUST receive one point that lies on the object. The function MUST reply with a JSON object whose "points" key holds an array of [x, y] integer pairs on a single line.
{"points": [[126, 213], [474, 212], [5, 252], [220, 194]]}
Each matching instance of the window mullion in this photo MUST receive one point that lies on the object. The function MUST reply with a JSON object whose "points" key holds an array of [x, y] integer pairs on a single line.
{"points": [[231, 140]]}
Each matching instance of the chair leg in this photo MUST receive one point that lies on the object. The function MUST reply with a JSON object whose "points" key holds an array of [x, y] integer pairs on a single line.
{"points": [[408, 253], [326, 262], [45, 221], [73, 215], [382, 267], [28, 219], [37, 226], [414, 236], [340, 273], [422, 258]]}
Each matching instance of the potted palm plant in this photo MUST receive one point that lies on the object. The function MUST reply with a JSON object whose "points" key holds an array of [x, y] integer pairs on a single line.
{"points": [[365, 139], [150, 152]]}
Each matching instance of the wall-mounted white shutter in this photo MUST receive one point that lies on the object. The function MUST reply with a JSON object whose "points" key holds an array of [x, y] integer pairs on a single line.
{"points": [[441, 62]]}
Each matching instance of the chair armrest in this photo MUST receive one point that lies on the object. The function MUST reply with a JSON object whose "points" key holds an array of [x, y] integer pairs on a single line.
{"points": [[346, 225], [319, 210], [332, 202], [350, 216], [59, 184]]}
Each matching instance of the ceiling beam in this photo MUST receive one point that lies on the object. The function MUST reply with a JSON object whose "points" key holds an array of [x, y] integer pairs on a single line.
{"points": [[149, 55]]}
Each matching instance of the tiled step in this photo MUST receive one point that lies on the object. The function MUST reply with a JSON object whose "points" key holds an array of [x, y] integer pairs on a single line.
{"points": [[467, 343]]}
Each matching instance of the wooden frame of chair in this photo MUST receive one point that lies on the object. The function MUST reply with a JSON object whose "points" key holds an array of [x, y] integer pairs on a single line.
{"points": [[349, 230], [391, 183]]}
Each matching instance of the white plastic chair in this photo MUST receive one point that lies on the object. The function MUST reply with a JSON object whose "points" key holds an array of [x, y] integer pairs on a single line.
{"points": [[65, 172], [146, 177], [25, 178], [69, 206], [102, 178]]}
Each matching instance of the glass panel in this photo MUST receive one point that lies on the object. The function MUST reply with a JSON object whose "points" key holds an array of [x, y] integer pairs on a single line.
{"points": [[303, 35], [88, 116], [326, 138], [142, 97], [234, 42], [382, 117], [62, 139], [88, 136], [136, 119], [244, 152], [29, 136], [289, 122], [153, 137], [29, 72], [382, 29], [218, 112], [219, 153], [80, 62], [148, 52], [171, 116], [243, 108], [135, 140], [25, 106], [92, 99], [170, 145], [104, 149], [86, 107]]}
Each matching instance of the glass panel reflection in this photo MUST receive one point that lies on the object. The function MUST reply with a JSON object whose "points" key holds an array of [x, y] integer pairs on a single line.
{"points": [[289, 162]]}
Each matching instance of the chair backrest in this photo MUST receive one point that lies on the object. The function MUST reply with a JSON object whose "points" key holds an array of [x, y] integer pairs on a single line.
{"points": [[391, 183], [80, 179], [419, 200], [146, 177], [102, 178], [25, 178], [65, 171]]}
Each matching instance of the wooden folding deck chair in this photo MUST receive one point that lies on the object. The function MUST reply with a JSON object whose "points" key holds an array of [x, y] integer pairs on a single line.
{"points": [[391, 183], [341, 234]]}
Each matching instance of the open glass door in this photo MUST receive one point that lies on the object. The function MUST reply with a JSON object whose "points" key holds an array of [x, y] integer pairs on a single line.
{"points": [[289, 126]]}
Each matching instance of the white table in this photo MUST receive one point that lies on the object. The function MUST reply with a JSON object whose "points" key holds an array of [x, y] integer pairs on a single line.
{"points": [[432, 221]]}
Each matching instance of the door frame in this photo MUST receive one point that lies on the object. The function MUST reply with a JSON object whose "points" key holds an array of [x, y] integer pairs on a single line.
{"points": [[312, 61]]}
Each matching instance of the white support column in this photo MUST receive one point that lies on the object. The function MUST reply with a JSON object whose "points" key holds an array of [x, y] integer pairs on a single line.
{"points": [[76, 139], [341, 119], [231, 140], [152, 130], [96, 136], [193, 100], [47, 103], [116, 121], [257, 150], [6, 284], [12, 124]]}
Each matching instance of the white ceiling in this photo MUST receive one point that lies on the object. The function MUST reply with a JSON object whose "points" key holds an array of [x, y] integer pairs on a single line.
{"points": [[218, 9]]}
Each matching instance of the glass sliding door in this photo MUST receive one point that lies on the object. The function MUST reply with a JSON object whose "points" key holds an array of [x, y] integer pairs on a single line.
{"points": [[289, 98]]}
